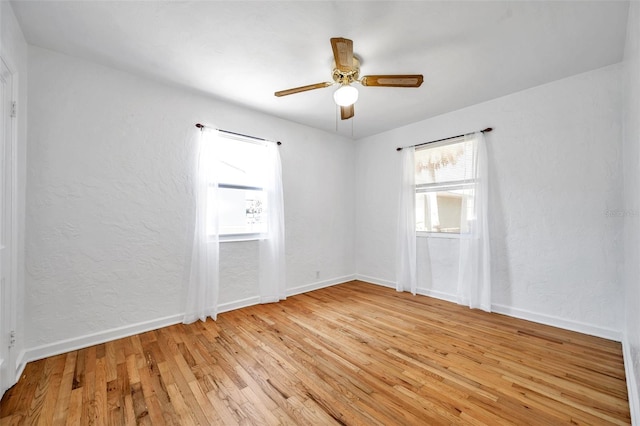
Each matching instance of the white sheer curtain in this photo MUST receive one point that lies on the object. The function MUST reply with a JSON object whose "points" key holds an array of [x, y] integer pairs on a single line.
{"points": [[474, 270], [202, 289], [406, 242], [272, 260]]}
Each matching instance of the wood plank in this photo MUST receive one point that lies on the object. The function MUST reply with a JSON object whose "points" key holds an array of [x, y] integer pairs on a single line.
{"points": [[152, 405], [355, 353], [66, 387], [101, 389], [74, 413], [43, 403]]}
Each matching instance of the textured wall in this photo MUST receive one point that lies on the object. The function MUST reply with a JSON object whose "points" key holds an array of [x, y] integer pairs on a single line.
{"points": [[631, 203], [109, 199], [555, 159]]}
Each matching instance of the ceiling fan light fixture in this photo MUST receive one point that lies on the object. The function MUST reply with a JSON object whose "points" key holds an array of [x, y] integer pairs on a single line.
{"points": [[345, 95]]}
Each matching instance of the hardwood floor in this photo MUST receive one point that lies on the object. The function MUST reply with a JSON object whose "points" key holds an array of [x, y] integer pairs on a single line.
{"points": [[353, 354]]}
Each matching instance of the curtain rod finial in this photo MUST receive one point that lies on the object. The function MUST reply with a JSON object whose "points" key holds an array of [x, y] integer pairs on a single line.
{"points": [[399, 149], [488, 129], [200, 126]]}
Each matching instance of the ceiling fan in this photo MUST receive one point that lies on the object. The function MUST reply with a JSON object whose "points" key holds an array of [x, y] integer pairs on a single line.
{"points": [[347, 71]]}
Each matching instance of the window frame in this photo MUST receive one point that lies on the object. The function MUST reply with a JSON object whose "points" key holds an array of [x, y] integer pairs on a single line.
{"points": [[244, 236], [436, 187]]}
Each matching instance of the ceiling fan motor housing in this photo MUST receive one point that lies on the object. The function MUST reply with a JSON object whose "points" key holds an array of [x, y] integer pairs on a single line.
{"points": [[347, 77]]}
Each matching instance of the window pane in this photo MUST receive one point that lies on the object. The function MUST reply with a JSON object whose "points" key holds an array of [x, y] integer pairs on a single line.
{"points": [[445, 163], [241, 211], [241, 163], [447, 211], [241, 204], [444, 195]]}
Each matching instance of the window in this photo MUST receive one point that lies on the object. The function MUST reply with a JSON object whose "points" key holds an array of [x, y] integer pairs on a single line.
{"points": [[444, 187], [241, 199]]}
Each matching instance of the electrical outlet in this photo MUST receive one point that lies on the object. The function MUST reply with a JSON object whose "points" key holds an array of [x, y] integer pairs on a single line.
{"points": [[317, 274]]}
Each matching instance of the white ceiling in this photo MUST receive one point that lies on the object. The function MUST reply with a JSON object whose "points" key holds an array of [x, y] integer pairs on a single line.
{"points": [[243, 52]]}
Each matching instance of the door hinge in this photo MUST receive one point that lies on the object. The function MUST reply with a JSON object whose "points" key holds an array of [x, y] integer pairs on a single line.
{"points": [[14, 109], [12, 338]]}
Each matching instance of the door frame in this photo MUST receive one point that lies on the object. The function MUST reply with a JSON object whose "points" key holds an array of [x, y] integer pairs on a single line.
{"points": [[9, 302]]}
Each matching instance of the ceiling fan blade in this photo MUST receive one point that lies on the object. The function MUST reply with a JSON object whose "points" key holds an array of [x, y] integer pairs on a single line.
{"points": [[343, 53], [411, 80], [303, 89], [346, 112]]}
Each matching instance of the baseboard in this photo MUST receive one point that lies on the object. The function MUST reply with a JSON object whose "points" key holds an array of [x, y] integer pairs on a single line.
{"points": [[580, 327], [377, 281], [21, 363], [76, 343], [320, 284], [553, 321], [18, 368], [238, 304], [632, 385], [421, 291], [67, 345], [63, 346], [438, 295]]}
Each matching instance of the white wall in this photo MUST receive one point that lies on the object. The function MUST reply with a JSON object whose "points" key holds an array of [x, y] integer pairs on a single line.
{"points": [[631, 151], [13, 48], [555, 156], [109, 202]]}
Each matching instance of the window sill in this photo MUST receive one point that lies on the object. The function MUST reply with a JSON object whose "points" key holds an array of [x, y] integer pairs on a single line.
{"points": [[235, 238], [446, 235]]}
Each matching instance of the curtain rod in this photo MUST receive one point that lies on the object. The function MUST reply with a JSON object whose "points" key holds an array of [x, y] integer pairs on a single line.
{"points": [[487, 130], [202, 127]]}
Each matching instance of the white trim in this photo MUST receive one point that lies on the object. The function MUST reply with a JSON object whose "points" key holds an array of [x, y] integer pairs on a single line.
{"points": [[453, 298], [377, 281], [75, 343], [238, 304], [320, 284], [63, 346], [239, 238], [20, 365], [11, 180], [551, 320], [580, 327], [632, 385], [421, 291], [15, 284], [269, 299], [448, 235]]}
